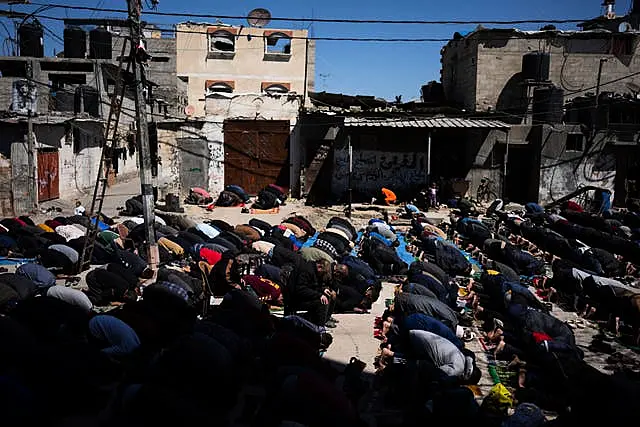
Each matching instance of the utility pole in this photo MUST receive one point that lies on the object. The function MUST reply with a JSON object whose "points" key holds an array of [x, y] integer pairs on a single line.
{"points": [[31, 164], [349, 208], [142, 134]]}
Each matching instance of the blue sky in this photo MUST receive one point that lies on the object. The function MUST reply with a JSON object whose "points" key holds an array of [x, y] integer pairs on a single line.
{"points": [[381, 69]]}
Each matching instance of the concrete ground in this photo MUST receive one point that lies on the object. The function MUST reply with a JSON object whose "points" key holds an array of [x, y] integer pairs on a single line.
{"points": [[353, 337]]}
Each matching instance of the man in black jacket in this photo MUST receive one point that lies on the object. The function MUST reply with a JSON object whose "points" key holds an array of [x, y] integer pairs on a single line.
{"points": [[308, 286]]}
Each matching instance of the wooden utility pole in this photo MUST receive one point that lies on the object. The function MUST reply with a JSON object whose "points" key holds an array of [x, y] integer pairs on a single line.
{"points": [[349, 210], [144, 152], [31, 149]]}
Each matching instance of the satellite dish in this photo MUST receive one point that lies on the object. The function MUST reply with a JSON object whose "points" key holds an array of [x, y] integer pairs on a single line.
{"points": [[624, 27], [189, 110], [259, 17]]}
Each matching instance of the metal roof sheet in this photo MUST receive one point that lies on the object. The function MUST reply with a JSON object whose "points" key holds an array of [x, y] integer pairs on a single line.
{"points": [[425, 123]]}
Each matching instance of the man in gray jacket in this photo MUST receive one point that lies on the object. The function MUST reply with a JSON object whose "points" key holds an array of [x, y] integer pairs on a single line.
{"points": [[440, 353]]}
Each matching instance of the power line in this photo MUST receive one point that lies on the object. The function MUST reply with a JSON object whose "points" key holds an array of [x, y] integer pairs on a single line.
{"points": [[499, 113], [346, 39], [327, 20], [522, 36]]}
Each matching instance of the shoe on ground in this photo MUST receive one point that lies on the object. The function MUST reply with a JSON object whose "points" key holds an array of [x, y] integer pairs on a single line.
{"points": [[334, 320], [330, 324]]}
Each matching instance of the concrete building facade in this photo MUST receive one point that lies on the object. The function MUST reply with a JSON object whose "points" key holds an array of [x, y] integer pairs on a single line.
{"points": [[483, 72], [243, 60], [69, 100], [168, 96], [550, 151]]}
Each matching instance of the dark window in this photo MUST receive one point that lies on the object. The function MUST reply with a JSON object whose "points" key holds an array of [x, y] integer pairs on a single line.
{"points": [[496, 157], [220, 87], [222, 41], [278, 43], [59, 81], [276, 89], [53, 65], [13, 68], [575, 142], [622, 45]]}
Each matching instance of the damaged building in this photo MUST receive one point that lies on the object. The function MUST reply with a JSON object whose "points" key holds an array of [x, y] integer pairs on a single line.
{"points": [[67, 100], [533, 80], [246, 86]]}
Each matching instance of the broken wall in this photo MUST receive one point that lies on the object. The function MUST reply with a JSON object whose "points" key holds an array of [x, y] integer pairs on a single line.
{"points": [[13, 148], [563, 170], [248, 66], [189, 157], [6, 195]]}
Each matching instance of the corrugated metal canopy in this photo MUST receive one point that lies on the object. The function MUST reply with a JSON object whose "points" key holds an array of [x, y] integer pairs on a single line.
{"points": [[425, 123]]}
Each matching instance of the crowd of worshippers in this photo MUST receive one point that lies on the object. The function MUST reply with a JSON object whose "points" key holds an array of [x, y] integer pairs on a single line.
{"points": [[589, 262], [290, 265], [269, 198], [522, 256], [132, 346]]}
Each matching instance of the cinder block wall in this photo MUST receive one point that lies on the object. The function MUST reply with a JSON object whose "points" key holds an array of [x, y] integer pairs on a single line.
{"points": [[478, 70]]}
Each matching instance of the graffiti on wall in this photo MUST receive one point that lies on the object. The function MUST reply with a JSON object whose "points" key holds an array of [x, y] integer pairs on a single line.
{"points": [[375, 169], [216, 167]]}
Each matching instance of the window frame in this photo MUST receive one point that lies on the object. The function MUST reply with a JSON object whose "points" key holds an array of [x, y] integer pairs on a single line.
{"points": [[279, 56], [269, 89], [573, 149], [218, 53], [226, 86]]}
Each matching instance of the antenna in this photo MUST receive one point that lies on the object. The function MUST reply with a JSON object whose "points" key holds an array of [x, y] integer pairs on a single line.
{"points": [[259, 17]]}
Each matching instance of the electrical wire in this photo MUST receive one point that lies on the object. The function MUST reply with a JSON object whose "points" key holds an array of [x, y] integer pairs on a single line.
{"points": [[498, 116], [342, 39], [327, 20], [521, 36]]}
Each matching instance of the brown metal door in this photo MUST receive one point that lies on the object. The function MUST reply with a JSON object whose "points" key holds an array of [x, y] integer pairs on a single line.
{"points": [[256, 153], [48, 176]]}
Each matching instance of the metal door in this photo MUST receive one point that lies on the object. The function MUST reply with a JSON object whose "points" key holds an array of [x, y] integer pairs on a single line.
{"points": [[256, 153], [48, 176], [194, 164]]}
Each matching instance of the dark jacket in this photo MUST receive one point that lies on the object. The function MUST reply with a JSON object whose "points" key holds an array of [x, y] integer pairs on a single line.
{"points": [[303, 284], [406, 304]]}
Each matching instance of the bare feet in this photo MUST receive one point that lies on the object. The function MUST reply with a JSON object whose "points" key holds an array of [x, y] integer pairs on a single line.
{"points": [[387, 352], [500, 346]]}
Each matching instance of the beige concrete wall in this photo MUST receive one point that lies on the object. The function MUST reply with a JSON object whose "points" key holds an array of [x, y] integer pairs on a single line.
{"points": [[248, 68]]}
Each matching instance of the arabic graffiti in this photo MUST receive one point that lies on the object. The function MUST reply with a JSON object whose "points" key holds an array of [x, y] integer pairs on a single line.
{"points": [[216, 167], [375, 169]]}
